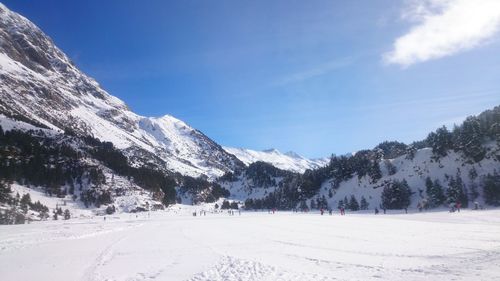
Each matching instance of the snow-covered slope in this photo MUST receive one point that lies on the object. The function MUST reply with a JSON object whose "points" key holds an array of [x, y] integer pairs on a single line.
{"points": [[256, 246], [289, 161], [415, 172], [40, 84], [126, 195]]}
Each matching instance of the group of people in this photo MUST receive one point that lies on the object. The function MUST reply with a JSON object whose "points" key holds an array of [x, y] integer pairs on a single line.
{"points": [[232, 212]]}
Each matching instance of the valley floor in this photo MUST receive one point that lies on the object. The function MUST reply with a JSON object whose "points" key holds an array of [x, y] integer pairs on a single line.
{"points": [[256, 246]]}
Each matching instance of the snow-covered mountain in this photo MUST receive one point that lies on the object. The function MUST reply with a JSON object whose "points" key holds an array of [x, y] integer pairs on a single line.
{"points": [[40, 85], [289, 161]]}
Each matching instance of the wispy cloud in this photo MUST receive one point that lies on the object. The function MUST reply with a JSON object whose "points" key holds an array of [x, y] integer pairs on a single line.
{"points": [[443, 28], [319, 70]]}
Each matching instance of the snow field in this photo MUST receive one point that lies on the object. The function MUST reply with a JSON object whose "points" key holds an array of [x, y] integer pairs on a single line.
{"points": [[170, 245]]}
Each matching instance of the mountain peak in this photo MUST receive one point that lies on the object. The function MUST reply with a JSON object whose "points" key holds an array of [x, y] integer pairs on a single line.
{"points": [[293, 154], [271, 150]]}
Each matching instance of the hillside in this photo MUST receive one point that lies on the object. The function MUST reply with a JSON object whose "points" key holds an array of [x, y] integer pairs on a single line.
{"points": [[461, 165], [42, 86]]}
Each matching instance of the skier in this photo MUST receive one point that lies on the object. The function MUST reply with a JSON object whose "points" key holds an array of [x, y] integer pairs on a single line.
{"points": [[321, 210], [376, 211], [459, 205]]}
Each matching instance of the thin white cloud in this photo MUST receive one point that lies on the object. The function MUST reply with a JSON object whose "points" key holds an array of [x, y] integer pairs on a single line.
{"points": [[443, 28], [315, 72]]}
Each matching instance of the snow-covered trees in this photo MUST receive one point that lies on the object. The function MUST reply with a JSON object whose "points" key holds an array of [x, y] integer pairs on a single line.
{"points": [[225, 205], [353, 204], [25, 202], [456, 191], [363, 204], [396, 195], [440, 141], [491, 189], [434, 192], [392, 149], [468, 138], [4, 192]]}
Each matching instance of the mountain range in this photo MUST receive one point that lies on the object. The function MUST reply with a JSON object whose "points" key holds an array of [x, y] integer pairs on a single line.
{"points": [[42, 89]]}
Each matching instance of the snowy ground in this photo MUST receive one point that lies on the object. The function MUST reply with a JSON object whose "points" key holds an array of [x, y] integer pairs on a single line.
{"points": [[174, 245]]}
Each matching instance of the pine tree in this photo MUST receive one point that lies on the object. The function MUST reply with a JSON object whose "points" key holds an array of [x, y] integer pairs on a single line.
{"points": [[434, 192], [491, 189], [440, 141], [353, 204], [4, 192], [473, 191], [363, 203], [468, 138], [455, 192], [25, 202], [225, 205], [374, 172], [303, 205], [396, 195], [473, 173], [313, 204], [341, 204], [411, 150]]}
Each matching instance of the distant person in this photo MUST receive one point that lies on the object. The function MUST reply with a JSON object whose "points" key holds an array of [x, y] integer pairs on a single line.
{"points": [[376, 211], [321, 211], [452, 208], [459, 206]]}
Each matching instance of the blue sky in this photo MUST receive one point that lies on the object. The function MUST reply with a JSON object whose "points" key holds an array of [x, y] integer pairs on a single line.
{"points": [[315, 77]]}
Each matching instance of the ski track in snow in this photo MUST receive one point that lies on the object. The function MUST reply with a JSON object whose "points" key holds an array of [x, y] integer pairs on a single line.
{"points": [[256, 246]]}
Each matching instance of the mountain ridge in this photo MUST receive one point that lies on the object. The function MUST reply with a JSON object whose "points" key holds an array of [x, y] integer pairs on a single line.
{"points": [[41, 84], [290, 160]]}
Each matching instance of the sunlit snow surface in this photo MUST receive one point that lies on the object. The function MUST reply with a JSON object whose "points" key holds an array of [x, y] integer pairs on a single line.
{"points": [[174, 245]]}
